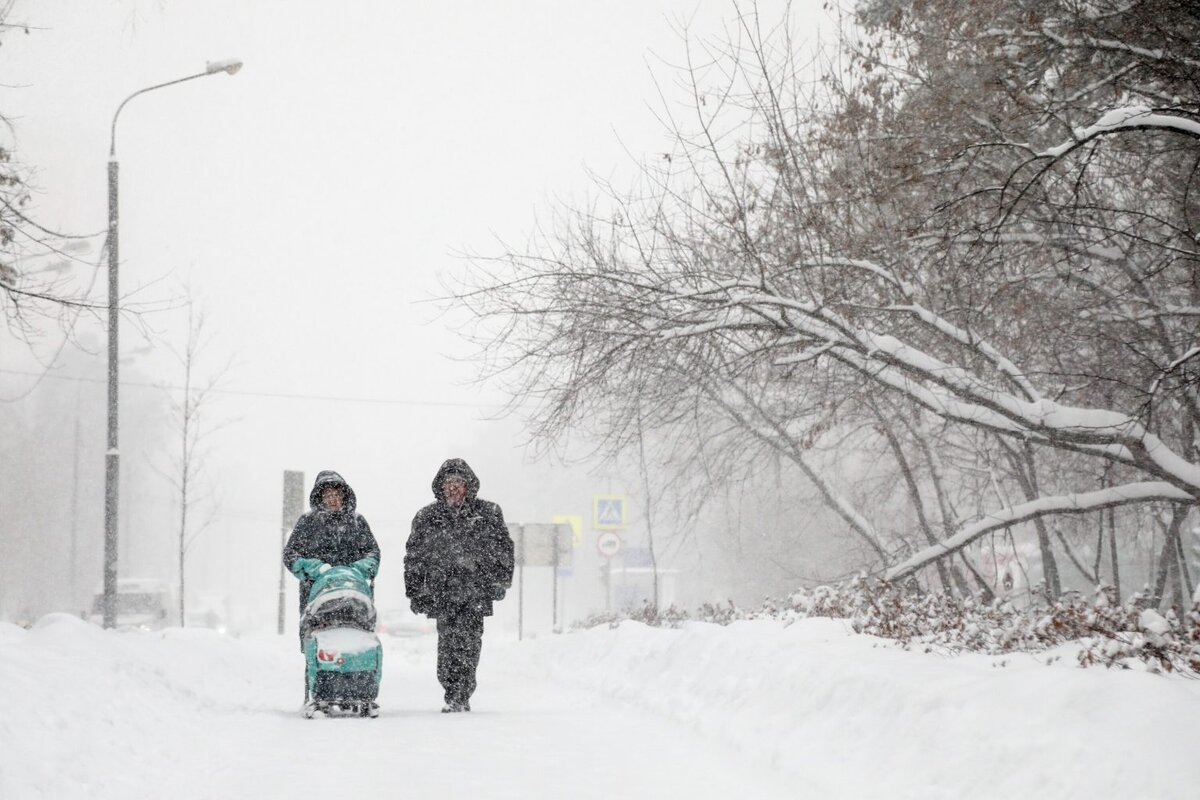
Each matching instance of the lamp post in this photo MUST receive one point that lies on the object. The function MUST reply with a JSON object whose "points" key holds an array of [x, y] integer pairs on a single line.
{"points": [[112, 456]]}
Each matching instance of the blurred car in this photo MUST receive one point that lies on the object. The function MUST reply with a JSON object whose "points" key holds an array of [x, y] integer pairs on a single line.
{"points": [[141, 603], [402, 622]]}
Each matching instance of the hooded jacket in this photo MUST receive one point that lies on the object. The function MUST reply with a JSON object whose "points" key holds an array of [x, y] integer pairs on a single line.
{"points": [[335, 537], [459, 559]]}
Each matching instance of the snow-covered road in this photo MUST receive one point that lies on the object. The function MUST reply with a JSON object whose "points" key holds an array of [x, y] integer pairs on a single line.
{"points": [[525, 739], [755, 709], [191, 714]]}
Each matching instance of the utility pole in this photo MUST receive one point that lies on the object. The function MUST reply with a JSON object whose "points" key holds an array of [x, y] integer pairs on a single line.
{"points": [[554, 583], [606, 570]]}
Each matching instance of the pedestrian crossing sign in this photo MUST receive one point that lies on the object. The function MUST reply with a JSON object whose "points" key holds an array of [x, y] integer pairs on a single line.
{"points": [[608, 512]]}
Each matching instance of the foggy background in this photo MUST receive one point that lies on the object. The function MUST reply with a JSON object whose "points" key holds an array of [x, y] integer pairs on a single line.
{"points": [[312, 206]]}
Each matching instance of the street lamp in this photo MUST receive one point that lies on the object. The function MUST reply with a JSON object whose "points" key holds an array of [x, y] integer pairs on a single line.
{"points": [[112, 457]]}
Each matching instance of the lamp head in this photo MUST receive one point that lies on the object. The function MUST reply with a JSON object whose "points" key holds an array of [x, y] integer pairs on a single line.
{"points": [[229, 65]]}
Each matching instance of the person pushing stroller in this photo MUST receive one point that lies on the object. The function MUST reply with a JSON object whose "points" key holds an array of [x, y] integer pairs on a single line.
{"points": [[331, 533]]}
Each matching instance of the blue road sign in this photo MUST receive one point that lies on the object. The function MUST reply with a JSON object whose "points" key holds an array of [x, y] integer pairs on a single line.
{"points": [[608, 512]]}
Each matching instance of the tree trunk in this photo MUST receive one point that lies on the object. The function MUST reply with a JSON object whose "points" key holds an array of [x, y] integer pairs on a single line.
{"points": [[985, 591], [183, 499], [1176, 583], [1025, 471], [1112, 549], [914, 493], [649, 509], [1183, 565], [1075, 562], [935, 478], [1049, 564], [1100, 526], [1168, 561]]}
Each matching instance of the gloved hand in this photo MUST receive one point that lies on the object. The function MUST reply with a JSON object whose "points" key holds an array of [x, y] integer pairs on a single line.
{"points": [[308, 568], [422, 605], [498, 590], [367, 566]]}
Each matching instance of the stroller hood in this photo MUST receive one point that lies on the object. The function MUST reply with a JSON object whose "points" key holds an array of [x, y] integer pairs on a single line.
{"points": [[339, 597]]}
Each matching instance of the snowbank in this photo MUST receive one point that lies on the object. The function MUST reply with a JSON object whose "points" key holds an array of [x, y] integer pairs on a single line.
{"points": [[858, 717], [89, 713]]}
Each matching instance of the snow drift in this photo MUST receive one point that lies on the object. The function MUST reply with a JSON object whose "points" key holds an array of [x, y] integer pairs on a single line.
{"points": [[811, 706]]}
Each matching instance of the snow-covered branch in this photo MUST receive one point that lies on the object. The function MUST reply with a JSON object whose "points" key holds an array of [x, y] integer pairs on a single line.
{"points": [[1085, 42], [1125, 119], [1062, 504], [948, 390]]}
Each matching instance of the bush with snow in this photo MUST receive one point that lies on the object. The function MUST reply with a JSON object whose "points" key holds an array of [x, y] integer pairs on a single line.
{"points": [[1106, 631]]}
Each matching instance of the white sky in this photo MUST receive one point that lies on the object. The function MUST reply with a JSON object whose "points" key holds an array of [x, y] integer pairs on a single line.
{"points": [[315, 198]]}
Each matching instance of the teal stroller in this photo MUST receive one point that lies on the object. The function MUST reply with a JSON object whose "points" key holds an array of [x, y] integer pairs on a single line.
{"points": [[342, 654]]}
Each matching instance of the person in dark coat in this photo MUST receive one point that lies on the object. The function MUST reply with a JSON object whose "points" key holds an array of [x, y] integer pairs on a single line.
{"points": [[458, 562], [332, 532]]}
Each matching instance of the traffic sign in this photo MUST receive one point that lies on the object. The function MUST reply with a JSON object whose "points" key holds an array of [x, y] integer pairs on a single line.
{"points": [[608, 512], [576, 523], [536, 543], [608, 544]]}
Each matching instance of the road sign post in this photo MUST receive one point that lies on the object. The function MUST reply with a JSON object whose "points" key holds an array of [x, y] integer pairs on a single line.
{"points": [[606, 579], [540, 544], [554, 591], [520, 581], [608, 545], [293, 507]]}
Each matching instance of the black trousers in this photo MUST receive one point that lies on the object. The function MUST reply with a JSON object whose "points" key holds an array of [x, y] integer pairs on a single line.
{"points": [[460, 640]]}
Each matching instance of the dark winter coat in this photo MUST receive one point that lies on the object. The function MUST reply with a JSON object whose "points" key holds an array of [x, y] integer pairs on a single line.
{"points": [[335, 537], [458, 559]]}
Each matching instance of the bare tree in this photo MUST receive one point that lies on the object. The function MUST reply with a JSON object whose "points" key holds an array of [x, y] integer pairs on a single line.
{"points": [[990, 217], [193, 423], [36, 282]]}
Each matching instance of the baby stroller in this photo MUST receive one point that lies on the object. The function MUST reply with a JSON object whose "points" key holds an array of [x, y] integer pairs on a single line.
{"points": [[342, 654]]}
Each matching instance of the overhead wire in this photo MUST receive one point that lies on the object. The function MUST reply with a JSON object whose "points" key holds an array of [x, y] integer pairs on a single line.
{"points": [[275, 395]]}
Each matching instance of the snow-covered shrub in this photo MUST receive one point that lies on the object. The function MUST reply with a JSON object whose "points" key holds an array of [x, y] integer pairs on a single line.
{"points": [[1107, 632], [670, 617]]}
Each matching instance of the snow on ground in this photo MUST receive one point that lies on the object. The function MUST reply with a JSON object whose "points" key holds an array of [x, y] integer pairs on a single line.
{"points": [[755, 710], [856, 716]]}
